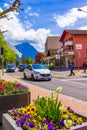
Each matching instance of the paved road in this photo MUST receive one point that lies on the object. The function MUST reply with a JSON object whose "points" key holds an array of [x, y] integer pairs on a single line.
{"points": [[74, 87]]}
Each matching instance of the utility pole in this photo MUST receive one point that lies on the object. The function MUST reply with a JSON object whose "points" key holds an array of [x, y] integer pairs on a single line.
{"points": [[2, 55]]}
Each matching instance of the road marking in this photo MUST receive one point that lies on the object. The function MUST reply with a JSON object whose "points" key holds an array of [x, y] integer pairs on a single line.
{"points": [[16, 76], [72, 81]]}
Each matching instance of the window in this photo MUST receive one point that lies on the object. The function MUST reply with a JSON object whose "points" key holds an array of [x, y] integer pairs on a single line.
{"points": [[29, 67]]}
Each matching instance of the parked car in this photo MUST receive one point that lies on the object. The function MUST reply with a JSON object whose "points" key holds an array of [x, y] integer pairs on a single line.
{"points": [[21, 67], [37, 72], [10, 68]]}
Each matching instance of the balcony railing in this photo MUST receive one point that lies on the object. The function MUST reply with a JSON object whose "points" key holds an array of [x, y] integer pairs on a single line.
{"points": [[68, 43]]}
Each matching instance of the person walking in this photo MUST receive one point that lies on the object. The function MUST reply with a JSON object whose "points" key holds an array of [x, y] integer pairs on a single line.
{"points": [[71, 67], [84, 67]]}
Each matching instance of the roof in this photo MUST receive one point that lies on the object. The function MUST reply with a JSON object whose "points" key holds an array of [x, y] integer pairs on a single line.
{"points": [[53, 42], [74, 32]]}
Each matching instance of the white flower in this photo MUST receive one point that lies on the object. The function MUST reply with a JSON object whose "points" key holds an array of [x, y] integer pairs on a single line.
{"points": [[68, 123], [58, 90]]}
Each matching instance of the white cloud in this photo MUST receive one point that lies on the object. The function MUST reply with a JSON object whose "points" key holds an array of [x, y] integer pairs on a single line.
{"points": [[6, 5], [28, 9], [30, 13], [27, 25], [70, 17], [34, 14], [38, 37], [83, 28], [1, 10], [16, 32]]}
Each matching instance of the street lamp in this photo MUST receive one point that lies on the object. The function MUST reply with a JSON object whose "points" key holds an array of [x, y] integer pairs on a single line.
{"points": [[81, 10]]}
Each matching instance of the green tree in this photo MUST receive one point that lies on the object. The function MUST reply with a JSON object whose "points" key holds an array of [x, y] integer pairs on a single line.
{"points": [[9, 54], [28, 60]]}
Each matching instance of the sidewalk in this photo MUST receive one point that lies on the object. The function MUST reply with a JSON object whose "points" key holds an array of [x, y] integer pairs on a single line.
{"points": [[65, 74], [75, 104]]}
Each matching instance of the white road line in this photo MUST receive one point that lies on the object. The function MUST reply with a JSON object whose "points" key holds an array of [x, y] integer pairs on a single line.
{"points": [[74, 79], [74, 82]]}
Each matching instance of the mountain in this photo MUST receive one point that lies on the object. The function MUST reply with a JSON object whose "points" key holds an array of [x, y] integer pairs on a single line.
{"points": [[26, 49]]}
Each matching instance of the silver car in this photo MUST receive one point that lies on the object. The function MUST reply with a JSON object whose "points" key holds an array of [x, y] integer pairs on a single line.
{"points": [[37, 72]]}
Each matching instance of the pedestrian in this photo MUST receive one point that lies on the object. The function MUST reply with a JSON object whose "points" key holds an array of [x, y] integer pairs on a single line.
{"points": [[84, 67], [71, 67]]}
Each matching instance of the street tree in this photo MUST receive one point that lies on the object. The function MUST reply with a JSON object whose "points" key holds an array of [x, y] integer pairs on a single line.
{"points": [[28, 60], [39, 57], [9, 54]]}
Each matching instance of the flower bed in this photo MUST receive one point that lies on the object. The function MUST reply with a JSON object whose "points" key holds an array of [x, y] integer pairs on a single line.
{"points": [[12, 94], [46, 114], [9, 88]]}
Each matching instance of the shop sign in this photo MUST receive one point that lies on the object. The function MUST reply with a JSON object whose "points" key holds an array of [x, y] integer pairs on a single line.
{"points": [[79, 46]]}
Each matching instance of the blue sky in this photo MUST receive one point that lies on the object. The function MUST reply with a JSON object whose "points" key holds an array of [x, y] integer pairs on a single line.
{"points": [[42, 18]]}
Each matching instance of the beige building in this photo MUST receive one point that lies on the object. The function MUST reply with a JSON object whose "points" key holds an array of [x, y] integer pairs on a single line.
{"points": [[52, 46]]}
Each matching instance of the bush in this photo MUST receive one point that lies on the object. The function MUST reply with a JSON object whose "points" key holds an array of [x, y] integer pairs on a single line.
{"points": [[51, 67]]}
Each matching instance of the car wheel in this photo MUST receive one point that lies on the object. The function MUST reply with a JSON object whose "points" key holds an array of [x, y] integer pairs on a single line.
{"points": [[24, 76], [32, 77]]}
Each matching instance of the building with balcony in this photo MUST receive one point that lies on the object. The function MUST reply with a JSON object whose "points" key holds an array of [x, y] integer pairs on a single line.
{"points": [[74, 47]]}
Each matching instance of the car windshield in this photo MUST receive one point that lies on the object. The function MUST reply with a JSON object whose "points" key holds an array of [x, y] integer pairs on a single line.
{"points": [[10, 66], [23, 65], [39, 66]]}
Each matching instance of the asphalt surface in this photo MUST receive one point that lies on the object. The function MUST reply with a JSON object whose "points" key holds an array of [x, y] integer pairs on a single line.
{"points": [[74, 86]]}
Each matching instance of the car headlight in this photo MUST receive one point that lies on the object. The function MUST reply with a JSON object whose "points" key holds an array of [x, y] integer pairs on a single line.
{"points": [[36, 72]]}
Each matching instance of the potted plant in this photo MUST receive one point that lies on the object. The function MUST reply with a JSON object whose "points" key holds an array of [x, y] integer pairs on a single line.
{"points": [[12, 94], [46, 114]]}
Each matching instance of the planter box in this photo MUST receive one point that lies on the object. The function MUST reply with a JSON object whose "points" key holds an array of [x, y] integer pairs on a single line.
{"points": [[9, 124], [12, 101]]}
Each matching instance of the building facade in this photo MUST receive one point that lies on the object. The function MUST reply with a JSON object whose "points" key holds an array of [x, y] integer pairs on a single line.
{"points": [[51, 46], [74, 47]]}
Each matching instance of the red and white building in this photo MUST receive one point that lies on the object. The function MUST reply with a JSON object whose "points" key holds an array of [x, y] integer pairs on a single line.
{"points": [[74, 47]]}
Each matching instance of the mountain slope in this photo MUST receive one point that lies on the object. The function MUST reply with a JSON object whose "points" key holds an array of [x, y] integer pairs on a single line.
{"points": [[26, 49]]}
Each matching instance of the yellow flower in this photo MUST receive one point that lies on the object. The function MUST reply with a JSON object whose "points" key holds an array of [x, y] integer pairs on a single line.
{"points": [[23, 110], [39, 118], [34, 121]]}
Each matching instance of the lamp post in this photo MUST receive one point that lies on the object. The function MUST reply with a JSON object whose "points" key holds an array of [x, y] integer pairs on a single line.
{"points": [[82, 10]]}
